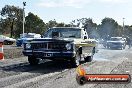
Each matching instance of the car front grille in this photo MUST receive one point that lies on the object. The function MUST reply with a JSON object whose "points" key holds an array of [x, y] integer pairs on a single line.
{"points": [[56, 46]]}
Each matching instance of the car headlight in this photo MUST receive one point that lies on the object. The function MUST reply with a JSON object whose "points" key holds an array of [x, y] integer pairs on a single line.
{"points": [[68, 46], [28, 45]]}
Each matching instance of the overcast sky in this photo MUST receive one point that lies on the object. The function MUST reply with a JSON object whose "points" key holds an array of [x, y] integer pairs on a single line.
{"points": [[68, 10]]}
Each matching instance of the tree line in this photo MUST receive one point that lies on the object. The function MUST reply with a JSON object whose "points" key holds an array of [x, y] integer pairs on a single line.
{"points": [[11, 22]]}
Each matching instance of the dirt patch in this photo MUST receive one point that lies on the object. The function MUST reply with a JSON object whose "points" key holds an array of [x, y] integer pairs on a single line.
{"points": [[13, 53]]}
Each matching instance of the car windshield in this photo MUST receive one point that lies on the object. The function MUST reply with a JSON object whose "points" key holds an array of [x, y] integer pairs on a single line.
{"points": [[116, 39], [27, 36], [64, 32]]}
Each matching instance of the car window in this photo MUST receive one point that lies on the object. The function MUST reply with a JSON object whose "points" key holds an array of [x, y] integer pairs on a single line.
{"points": [[64, 32]]}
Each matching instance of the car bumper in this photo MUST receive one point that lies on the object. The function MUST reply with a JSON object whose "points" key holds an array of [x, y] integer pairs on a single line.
{"points": [[116, 46], [49, 54]]}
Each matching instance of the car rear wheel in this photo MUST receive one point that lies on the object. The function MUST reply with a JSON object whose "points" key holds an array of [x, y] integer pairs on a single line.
{"points": [[88, 58], [124, 47], [33, 60]]}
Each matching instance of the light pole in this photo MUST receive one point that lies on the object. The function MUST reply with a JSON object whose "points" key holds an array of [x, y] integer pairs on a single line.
{"points": [[24, 4], [123, 26]]}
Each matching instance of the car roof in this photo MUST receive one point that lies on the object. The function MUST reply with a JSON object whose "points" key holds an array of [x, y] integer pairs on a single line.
{"points": [[116, 37], [67, 27]]}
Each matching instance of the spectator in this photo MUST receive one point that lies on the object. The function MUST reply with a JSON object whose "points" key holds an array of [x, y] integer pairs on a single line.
{"points": [[129, 42]]}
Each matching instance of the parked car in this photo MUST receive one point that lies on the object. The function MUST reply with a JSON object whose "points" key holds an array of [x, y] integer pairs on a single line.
{"points": [[7, 40], [116, 43], [26, 37]]}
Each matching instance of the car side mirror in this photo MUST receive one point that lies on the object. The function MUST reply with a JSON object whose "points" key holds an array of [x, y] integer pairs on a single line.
{"points": [[85, 37]]}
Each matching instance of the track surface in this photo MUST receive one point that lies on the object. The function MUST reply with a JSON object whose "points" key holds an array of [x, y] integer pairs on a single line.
{"points": [[17, 73]]}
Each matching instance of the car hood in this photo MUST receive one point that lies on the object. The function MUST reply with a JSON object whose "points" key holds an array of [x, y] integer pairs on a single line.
{"points": [[67, 40], [115, 41], [49, 40], [25, 39]]}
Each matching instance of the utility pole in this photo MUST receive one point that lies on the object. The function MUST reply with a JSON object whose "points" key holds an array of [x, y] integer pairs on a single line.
{"points": [[123, 27], [24, 4]]}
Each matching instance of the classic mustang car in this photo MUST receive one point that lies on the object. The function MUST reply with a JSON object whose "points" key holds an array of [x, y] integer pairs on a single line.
{"points": [[61, 43], [116, 43]]}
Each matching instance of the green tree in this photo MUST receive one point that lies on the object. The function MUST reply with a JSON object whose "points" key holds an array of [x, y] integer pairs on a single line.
{"points": [[91, 28], [51, 23], [127, 31], [11, 15], [68, 25], [60, 25], [108, 28], [88, 25], [34, 24]]}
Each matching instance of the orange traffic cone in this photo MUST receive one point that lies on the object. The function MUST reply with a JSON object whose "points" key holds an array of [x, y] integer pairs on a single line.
{"points": [[1, 51]]}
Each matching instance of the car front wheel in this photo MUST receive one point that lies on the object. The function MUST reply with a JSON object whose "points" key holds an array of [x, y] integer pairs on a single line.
{"points": [[32, 60], [75, 61]]}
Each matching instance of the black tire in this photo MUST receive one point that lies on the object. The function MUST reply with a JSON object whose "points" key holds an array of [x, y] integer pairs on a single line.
{"points": [[88, 58], [5, 42], [122, 48], [76, 61], [10, 43], [108, 47], [32, 60]]}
